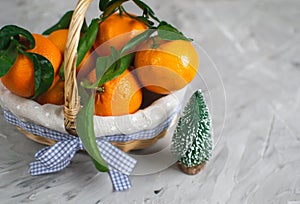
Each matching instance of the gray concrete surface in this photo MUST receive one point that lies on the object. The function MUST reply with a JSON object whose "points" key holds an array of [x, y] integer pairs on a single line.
{"points": [[255, 46]]}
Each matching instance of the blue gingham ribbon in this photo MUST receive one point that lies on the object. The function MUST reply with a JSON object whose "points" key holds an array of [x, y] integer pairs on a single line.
{"points": [[57, 157]]}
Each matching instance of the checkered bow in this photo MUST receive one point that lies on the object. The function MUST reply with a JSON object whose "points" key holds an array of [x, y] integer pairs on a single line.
{"points": [[57, 157]]}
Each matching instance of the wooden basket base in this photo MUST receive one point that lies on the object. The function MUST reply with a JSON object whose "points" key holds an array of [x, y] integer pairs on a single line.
{"points": [[190, 170], [124, 146]]}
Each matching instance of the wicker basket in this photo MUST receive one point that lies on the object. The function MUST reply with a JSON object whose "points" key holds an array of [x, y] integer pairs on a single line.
{"points": [[72, 99]]}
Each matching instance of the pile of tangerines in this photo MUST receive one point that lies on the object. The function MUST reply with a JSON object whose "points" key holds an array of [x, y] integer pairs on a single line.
{"points": [[31, 64]]}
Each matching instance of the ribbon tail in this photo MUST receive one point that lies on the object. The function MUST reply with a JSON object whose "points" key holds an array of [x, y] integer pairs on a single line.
{"points": [[116, 158], [120, 165], [38, 168], [119, 180], [54, 158]]}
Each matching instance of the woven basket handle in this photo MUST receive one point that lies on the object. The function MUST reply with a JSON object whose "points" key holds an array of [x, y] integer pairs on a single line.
{"points": [[72, 100]]}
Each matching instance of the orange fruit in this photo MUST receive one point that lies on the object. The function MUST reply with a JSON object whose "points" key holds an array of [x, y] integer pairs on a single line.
{"points": [[86, 64], [54, 95], [59, 38], [114, 26], [120, 96], [20, 78], [166, 65]]}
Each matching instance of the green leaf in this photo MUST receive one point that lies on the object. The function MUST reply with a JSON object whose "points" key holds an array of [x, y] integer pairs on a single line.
{"points": [[103, 4], [105, 65], [168, 32], [101, 66], [8, 58], [115, 54], [4, 42], [137, 40], [113, 72], [99, 166], [147, 10], [111, 7], [43, 73], [85, 130], [87, 41], [61, 71], [145, 20], [84, 27], [84, 95], [109, 67], [143, 6], [9, 32], [63, 23]]}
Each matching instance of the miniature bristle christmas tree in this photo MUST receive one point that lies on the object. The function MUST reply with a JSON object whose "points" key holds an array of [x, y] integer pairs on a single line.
{"points": [[192, 140]]}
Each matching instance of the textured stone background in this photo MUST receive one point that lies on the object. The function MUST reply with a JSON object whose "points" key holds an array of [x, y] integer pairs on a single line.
{"points": [[255, 46]]}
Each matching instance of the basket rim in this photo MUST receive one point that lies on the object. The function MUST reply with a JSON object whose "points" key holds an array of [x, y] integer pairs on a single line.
{"points": [[51, 116]]}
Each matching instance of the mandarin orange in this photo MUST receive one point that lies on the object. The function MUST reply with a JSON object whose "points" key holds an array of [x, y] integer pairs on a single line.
{"points": [[54, 95], [59, 38], [120, 96], [87, 63], [116, 31], [20, 78], [165, 66]]}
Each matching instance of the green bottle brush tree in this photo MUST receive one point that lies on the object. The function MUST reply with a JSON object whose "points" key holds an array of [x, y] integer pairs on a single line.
{"points": [[192, 140]]}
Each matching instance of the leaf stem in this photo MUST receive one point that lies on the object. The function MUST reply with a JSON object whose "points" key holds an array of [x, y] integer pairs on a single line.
{"points": [[155, 43], [100, 89]]}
